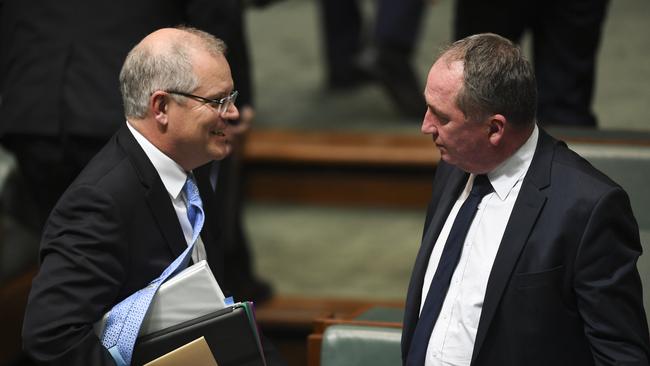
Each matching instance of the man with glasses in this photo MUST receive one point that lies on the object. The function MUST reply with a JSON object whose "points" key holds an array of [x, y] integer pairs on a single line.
{"points": [[124, 219]]}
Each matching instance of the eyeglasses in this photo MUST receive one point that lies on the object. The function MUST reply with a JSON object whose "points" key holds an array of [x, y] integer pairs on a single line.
{"points": [[222, 105]]}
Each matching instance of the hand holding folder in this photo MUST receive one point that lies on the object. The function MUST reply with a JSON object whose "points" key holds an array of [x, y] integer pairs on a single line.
{"points": [[191, 305], [192, 293], [230, 333]]}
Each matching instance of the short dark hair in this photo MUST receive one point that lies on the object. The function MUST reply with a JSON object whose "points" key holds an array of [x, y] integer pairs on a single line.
{"points": [[497, 78]]}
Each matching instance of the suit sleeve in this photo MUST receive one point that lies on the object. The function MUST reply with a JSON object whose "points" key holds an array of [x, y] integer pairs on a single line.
{"points": [[82, 267], [608, 286]]}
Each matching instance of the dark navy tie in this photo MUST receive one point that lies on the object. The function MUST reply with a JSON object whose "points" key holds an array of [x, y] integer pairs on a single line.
{"points": [[446, 266]]}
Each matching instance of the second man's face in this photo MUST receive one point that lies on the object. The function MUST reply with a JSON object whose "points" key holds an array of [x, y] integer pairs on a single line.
{"points": [[460, 142]]}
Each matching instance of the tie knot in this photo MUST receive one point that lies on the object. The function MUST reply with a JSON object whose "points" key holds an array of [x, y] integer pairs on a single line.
{"points": [[191, 192], [194, 206], [481, 186]]}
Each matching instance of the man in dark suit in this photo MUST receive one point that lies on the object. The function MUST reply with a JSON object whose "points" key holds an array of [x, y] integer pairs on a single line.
{"points": [[545, 271], [123, 220], [60, 100], [59, 90]]}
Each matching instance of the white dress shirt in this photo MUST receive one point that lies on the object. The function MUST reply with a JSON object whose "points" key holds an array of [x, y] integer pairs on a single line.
{"points": [[453, 336], [173, 177]]}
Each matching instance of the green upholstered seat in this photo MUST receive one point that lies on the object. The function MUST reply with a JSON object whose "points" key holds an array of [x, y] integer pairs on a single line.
{"points": [[356, 345]]}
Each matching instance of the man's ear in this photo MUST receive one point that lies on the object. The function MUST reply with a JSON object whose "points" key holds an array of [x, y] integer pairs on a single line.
{"points": [[159, 104], [496, 128]]}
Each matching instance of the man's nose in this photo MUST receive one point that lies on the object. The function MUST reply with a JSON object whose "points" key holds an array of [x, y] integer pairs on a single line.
{"points": [[231, 114], [428, 125]]}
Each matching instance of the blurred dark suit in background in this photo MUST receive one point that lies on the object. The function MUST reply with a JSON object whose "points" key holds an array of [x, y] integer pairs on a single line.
{"points": [[565, 40], [384, 57]]}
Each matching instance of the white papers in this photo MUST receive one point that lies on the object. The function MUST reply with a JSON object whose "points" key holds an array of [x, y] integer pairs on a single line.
{"points": [[190, 294]]}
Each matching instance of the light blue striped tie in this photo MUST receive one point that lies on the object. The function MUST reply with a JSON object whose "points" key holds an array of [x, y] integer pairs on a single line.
{"points": [[125, 319]]}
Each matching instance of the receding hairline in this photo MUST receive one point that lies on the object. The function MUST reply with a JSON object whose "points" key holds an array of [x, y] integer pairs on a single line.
{"points": [[166, 40]]}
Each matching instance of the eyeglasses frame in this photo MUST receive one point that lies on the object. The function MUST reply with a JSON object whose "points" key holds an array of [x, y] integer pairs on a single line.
{"points": [[222, 103]]}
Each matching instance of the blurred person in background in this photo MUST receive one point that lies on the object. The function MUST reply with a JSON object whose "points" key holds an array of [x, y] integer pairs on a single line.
{"points": [[565, 37], [386, 57]]}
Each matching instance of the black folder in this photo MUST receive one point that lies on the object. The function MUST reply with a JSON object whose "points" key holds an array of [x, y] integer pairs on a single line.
{"points": [[231, 334]]}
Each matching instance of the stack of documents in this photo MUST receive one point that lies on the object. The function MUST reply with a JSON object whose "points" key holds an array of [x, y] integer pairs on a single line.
{"points": [[231, 335], [189, 306], [190, 294]]}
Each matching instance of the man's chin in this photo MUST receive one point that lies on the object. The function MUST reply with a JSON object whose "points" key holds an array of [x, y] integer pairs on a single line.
{"points": [[449, 160], [222, 152]]}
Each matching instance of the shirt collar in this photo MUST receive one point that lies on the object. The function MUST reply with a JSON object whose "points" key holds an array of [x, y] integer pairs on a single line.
{"points": [[511, 171], [172, 175]]}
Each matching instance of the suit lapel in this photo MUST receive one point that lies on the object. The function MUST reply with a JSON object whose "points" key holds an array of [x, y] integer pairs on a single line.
{"points": [[457, 181], [438, 212], [525, 212], [155, 193]]}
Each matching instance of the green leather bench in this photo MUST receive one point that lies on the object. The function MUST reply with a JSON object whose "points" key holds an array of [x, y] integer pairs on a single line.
{"points": [[373, 340], [357, 345]]}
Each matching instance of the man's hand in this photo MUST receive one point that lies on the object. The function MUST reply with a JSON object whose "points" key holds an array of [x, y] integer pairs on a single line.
{"points": [[246, 116]]}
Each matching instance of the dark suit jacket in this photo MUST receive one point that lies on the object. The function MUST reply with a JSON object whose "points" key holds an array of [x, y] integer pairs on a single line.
{"points": [[112, 232], [564, 288], [60, 60]]}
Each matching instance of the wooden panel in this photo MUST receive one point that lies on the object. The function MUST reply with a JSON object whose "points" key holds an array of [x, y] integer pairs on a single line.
{"points": [[300, 313], [314, 343], [339, 168], [349, 148], [371, 187], [13, 299]]}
